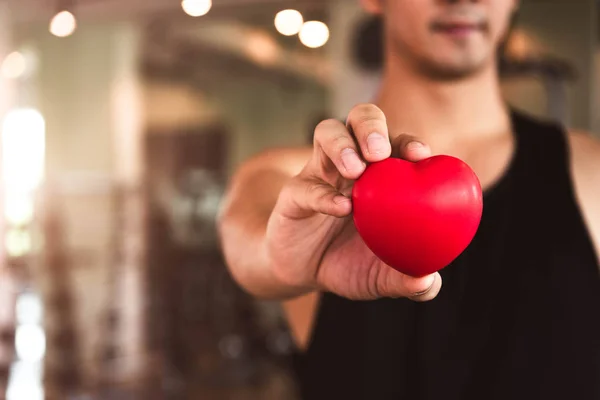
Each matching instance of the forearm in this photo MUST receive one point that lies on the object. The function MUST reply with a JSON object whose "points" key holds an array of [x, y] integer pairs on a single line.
{"points": [[242, 229]]}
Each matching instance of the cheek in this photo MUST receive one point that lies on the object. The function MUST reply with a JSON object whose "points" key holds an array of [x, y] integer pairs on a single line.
{"points": [[412, 34], [408, 20], [500, 21]]}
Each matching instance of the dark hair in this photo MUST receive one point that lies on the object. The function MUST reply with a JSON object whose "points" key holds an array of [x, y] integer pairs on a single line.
{"points": [[367, 44]]}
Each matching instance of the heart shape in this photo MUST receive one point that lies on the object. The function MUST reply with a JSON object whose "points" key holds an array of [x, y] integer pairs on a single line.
{"points": [[417, 217]]}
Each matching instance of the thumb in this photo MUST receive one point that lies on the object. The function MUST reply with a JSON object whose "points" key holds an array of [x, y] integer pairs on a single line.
{"points": [[410, 148], [396, 284]]}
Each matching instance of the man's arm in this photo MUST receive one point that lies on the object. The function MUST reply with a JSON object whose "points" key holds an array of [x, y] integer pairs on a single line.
{"points": [[251, 196], [585, 169]]}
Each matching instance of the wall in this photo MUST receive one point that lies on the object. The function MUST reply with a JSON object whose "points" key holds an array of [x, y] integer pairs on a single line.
{"points": [[258, 114], [97, 108], [8, 283], [264, 114], [90, 96], [565, 29], [596, 103], [350, 85]]}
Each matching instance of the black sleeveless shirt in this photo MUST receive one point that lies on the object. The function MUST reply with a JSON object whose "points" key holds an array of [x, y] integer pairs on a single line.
{"points": [[518, 316]]}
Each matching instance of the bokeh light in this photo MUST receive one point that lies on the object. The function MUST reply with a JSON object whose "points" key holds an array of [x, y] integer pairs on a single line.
{"points": [[196, 8], [314, 34], [288, 22], [63, 24], [30, 343], [23, 149], [14, 65]]}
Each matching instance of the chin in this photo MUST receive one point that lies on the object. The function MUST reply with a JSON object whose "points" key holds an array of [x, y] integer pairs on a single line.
{"points": [[453, 69]]}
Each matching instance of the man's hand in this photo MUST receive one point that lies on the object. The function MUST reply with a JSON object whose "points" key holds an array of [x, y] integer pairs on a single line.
{"points": [[311, 243]]}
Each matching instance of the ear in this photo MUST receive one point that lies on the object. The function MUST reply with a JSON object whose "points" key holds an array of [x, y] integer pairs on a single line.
{"points": [[373, 6]]}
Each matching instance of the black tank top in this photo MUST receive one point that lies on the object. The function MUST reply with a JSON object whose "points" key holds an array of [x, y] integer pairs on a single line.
{"points": [[518, 316]]}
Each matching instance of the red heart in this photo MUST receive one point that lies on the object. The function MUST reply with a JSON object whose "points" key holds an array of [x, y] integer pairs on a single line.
{"points": [[417, 217]]}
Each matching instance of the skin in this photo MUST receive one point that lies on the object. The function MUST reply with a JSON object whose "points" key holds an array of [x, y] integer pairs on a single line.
{"points": [[285, 225]]}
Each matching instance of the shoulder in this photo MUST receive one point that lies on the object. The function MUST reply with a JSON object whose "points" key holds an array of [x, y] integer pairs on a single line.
{"points": [[585, 172], [585, 159], [585, 149]]}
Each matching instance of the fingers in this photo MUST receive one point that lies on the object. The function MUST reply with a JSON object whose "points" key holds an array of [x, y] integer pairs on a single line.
{"points": [[430, 292], [365, 137], [395, 284], [368, 124], [410, 148], [339, 150], [304, 197], [347, 148], [342, 150], [334, 144]]}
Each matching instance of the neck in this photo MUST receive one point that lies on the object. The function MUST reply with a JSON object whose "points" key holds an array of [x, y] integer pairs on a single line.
{"points": [[442, 111]]}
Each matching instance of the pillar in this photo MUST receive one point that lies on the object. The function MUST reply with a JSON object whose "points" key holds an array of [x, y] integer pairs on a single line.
{"points": [[90, 97]]}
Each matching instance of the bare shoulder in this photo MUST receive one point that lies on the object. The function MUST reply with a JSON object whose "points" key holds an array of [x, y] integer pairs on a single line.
{"points": [[585, 169], [585, 148], [585, 159]]}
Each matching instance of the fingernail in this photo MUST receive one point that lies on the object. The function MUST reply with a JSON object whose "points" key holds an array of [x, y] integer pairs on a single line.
{"points": [[377, 144], [340, 199], [414, 146], [351, 161], [429, 286]]}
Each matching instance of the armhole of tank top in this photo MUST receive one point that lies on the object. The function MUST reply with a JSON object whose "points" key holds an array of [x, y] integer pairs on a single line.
{"points": [[572, 192], [302, 351], [317, 314], [508, 172]]}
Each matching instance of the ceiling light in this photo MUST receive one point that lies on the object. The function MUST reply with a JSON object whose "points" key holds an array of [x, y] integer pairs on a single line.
{"points": [[63, 24], [196, 8], [288, 22]]}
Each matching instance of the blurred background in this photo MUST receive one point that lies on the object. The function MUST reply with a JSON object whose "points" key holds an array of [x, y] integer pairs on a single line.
{"points": [[121, 121]]}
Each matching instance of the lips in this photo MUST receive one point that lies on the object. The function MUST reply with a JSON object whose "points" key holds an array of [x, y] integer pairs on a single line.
{"points": [[457, 26]]}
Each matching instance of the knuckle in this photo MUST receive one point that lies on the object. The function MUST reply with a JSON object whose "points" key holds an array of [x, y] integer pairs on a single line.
{"points": [[295, 185], [400, 143], [316, 195], [390, 288], [341, 142], [325, 128], [365, 111], [376, 281], [367, 126], [315, 191], [408, 141], [288, 190], [403, 140]]}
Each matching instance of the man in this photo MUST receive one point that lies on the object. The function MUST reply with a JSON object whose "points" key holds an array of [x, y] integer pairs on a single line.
{"points": [[518, 314]]}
